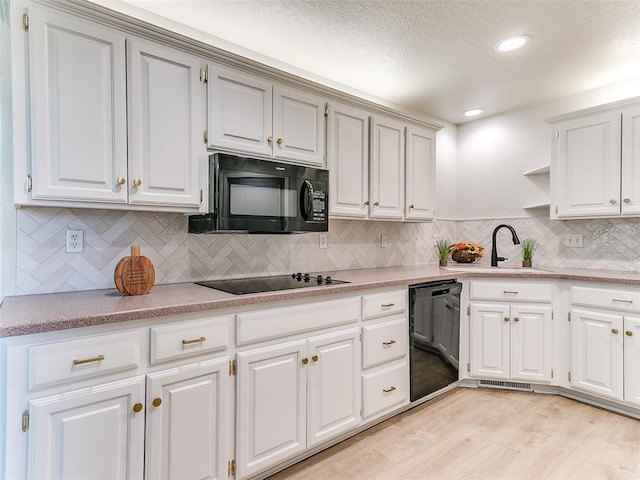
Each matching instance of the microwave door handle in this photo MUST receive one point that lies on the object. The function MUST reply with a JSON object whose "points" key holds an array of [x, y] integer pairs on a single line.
{"points": [[307, 211]]}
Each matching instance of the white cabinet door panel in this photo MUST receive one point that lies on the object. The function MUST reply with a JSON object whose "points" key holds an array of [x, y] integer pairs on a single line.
{"points": [[632, 360], [348, 161], [387, 169], [631, 161], [188, 422], [166, 115], [597, 353], [531, 343], [489, 342], [420, 174], [92, 433], [78, 109]]}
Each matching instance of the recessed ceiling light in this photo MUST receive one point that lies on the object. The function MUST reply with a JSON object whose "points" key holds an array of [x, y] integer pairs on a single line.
{"points": [[474, 112], [512, 43]]}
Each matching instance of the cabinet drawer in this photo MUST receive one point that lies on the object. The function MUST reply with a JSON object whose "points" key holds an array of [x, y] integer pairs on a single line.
{"points": [[383, 342], [532, 292], [385, 388], [189, 338], [604, 298], [68, 360], [379, 304]]}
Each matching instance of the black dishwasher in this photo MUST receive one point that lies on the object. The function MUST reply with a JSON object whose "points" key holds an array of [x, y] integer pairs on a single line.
{"points": [[434, 335]]}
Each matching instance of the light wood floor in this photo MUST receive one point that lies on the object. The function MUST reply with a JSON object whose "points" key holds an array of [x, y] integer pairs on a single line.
{"points": [[486, 434]]}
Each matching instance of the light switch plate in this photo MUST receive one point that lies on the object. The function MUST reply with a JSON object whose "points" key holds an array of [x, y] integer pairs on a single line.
{"points": [[323, 240], [573, 240], [384, 241]]}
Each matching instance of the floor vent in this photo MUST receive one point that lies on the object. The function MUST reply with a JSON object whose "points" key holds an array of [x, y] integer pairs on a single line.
{"points": [[507, 385]]}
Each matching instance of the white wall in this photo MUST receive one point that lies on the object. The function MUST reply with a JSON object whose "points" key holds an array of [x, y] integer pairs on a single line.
{"points": [[493, 153]]}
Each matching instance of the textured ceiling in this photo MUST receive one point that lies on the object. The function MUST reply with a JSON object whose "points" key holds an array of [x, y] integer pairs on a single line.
{"points": [[430, 56]]}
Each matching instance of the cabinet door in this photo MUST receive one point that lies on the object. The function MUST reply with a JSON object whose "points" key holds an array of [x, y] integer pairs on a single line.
{"points": [[387, 169], [271, 406], [298, 126], [531, 343], [166, 124], [91, 433], [632, 360], [597, 353], [489, 342], [587, 167], [240, 111], [78, 109], [188, 416], [348, 161], [631, 161], [332, 379], [420, 174]]}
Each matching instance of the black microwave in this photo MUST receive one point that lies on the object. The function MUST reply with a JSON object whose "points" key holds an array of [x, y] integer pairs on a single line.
{"points": [[261, 196]]}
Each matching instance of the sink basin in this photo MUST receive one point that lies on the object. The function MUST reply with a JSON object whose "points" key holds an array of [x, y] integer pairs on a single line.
{"points": [[478, 269]]}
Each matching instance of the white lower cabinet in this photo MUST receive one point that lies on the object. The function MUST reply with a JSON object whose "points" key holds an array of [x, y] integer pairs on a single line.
{"points": [[510, 340], [95, 432], [188, 421], [294, 395]]}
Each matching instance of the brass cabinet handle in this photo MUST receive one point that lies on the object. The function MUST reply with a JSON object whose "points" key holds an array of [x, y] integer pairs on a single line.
{"points": [[628, 333], [156, 402], [279, 142], [138, 407], [270, 140], [613, 201], [375, 204], [510, 292], [99, 358], [626, 200], [390, 342], [195, 340], [305, 360], [621, 301], [121, 181], [516, 319], [614, 331], [367, 203], [506, 319], [314, 358], [389, 390], [388, 305], [137, 182]]}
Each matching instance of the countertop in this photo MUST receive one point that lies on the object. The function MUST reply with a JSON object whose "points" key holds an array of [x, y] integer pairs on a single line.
{"points": [[26, 314]]}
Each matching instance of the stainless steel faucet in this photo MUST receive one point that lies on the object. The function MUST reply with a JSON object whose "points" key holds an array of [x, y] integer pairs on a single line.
{"points": [[494, 251]]}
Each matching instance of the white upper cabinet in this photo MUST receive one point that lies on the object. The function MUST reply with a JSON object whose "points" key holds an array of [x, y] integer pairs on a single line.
{"points": [[386, 169], [348, 160], [420, 174], [595, 167], [250, 115], [109, 128], [78, 109], [167, 109]]}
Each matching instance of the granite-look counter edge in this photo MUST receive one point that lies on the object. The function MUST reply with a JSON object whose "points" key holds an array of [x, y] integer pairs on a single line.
{"points": [[27, 314]]}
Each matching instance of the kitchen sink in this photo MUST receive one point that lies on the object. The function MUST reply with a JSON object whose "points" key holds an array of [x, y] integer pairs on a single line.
{"points": [[479, 269]]}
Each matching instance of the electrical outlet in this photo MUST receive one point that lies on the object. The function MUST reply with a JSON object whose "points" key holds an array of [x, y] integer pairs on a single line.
{"points": [[323, 240], [384, 241], [75, 241], [435, 240], [573, 240]]}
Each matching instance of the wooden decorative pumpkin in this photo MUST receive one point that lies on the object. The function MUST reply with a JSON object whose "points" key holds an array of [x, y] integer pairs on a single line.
{"points": [[134, 275]]}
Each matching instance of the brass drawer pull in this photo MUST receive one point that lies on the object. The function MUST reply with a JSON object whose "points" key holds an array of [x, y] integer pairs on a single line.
{"points": [[390, 342], [614, 331], [138, 407], [305, 361], [628, 333], [156, 402], [516, 319], [506, 319], [622, 301], [99, 358], [314, 358], [195, 340], [388, 305], [510, 292], [389, 390]]}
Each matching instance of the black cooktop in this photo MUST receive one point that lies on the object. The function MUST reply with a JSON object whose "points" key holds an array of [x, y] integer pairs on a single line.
{"points": [[241, 286]]}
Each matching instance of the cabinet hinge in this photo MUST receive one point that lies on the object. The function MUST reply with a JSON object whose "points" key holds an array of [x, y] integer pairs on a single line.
{"points": [[25, 21], [569, 376], [360, 337], [25, 420], [468, 367], [201, 195], [468, 310], [551, 310], [29, 183], [233, 367], [568, 316], [552, 373], [556, 209], [326, 110], [231, 468], [205, 136], [204, 75], [557, 133]]}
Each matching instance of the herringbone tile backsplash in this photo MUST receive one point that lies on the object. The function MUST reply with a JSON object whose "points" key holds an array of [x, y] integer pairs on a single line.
{"points": [[43, 266]]}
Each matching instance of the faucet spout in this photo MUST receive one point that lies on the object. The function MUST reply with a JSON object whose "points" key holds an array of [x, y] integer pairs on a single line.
{"points": [[494, 251]]}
